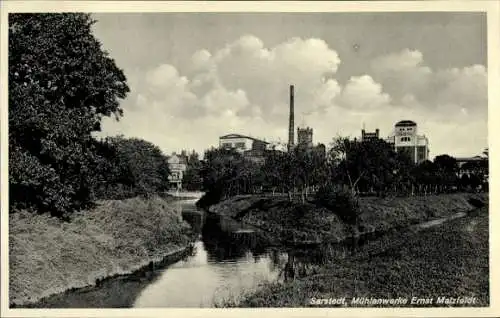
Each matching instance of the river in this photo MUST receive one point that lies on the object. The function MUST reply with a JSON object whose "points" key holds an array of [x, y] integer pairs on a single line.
{"points": [[227, 261]]}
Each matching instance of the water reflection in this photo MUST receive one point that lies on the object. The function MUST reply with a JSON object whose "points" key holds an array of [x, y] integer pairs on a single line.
{"points": [[228, 260], [202, 280]]}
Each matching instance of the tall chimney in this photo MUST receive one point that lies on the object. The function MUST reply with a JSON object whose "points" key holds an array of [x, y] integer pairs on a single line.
{"points": [[291, 123]]}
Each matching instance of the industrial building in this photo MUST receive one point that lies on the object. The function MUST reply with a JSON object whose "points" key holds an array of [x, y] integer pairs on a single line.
{"points": [[305, 137], [241, 143], [369, 136], [251, 148], [405, 139]]}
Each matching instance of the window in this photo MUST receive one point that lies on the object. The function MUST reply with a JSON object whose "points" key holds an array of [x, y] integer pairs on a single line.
{"points": [[239, 145], [404, 139], [421, 153], [226, 145]]}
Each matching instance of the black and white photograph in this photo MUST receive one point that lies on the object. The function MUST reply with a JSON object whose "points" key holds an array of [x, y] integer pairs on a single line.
{"points": [[318, 159]]}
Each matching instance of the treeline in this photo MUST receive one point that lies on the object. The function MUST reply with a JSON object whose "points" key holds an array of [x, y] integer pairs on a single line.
{"points": [[61, 85], [361, 168]]}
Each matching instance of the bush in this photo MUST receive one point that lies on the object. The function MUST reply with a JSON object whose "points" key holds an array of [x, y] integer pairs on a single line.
{"points": [[340, 202], [133, 167]]}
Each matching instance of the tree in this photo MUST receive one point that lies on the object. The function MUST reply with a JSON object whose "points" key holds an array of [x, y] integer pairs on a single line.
{"points": [[192, 177], [366, 166], [61, 84], [425, 176], [447, 169], [273, 171], [140, 168], [465, 181]]}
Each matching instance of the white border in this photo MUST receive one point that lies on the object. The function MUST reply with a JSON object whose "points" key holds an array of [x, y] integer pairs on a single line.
{"points": [[491, 7]]}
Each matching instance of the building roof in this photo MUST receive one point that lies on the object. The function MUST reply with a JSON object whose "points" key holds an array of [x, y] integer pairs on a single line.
{"points": [[231, 136], [405, 123], [176, 159], [475, 158]]}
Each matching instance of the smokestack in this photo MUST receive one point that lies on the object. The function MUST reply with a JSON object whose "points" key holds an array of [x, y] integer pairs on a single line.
{"points": [[291, 122]]}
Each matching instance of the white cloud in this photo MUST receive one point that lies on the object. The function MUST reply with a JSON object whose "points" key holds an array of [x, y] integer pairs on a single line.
{"points": [[363, 93], [243, 87], [404, 74]]}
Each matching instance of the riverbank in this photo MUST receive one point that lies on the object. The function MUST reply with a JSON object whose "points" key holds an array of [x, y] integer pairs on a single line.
{"points": [[285, 222], [48, 256], [436, 266]]}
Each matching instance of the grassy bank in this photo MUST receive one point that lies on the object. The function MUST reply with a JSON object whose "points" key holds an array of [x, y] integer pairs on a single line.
{"points": [[48, 256], [285, 221], [449, 260]]}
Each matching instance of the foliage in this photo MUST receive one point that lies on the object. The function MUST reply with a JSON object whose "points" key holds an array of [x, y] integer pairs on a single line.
{"points": [[364, 166], [368, 168], [340, 202], [229, 170], [447, 169], [116, 237], [192, 180], [61, 84], [135, 167]]}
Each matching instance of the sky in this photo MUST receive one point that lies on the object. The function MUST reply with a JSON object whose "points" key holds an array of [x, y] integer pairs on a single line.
{"points": [[197, 76]]}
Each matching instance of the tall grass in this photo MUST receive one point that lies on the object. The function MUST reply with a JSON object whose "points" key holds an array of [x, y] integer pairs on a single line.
{"points": [[286, 221], [451, 260], [48, 256]]}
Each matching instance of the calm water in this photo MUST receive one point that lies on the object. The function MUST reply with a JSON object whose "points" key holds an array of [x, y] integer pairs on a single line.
{"points": [[227, 261]]}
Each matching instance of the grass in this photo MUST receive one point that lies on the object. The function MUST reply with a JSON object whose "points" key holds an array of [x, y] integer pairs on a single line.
{"points": [[283, 221], [448, 260], [48, 256]]}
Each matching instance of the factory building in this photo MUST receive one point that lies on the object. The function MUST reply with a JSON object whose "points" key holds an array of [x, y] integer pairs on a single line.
{"points": [[406, 139]]}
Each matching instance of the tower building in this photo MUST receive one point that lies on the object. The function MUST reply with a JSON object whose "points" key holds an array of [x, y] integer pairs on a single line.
{"points": [[368, 136], [406, 140], [305, 137]]}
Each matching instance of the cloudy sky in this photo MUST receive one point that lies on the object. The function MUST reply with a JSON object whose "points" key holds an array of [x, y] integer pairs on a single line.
{"points": [[197, 76]]}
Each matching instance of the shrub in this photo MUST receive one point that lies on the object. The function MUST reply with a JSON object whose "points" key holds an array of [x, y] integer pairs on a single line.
{"points": [[340, 202]]}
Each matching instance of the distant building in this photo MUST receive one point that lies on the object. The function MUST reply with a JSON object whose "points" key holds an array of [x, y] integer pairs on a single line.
{"points": [[177, 165], [406, 140], [250, 147], [241, 143], [305, 137], [368, 136], [473, 165]]}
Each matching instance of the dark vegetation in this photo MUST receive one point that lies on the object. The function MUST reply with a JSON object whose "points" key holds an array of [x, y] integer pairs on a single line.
{"points": [[117, 237], [61, 84], [450, 262], [134, 167], [338, 178], [287, 223]]}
